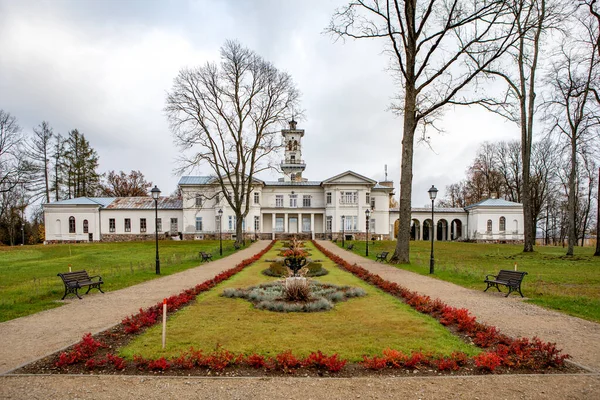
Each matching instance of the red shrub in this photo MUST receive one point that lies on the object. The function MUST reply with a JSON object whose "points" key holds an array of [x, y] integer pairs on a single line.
{"points": [[286, 361], [488, 361], [83, 350], [395, 358], [140, 362], [322, 361], [159, 365], [374, 363], [460, 358], [446, 364], [487, 338], [256, 361], [118, 362], [415, 359]]}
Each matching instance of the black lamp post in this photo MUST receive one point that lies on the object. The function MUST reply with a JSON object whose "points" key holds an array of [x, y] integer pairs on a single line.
{"points": [[432, 193], [155, 195], [368, 215], [220, 238], [343, 236]]}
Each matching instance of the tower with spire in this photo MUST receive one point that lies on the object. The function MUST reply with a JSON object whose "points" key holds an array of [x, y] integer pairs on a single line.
{"points": [[293, 165]]}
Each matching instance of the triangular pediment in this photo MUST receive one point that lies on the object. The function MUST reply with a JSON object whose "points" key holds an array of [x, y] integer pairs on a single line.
{"points": [[349, 178]]}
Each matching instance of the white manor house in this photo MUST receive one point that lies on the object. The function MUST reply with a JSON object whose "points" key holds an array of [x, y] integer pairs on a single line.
{"points": [[290, 206]]}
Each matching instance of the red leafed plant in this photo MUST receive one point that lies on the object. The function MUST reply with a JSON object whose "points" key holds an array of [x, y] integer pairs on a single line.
{"points": [[82, 351], [256, 361], [286, 361], [159, 365], [446, 364], [488, 361], [322, 361], [375, 363]]}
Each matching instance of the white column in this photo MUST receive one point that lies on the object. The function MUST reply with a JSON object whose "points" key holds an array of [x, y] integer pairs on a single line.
{"points": [[273, 215], [312, 225], [285, 222]]}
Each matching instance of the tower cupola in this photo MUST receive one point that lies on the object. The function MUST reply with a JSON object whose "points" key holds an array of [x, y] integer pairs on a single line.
{"points": [[292, 165]]}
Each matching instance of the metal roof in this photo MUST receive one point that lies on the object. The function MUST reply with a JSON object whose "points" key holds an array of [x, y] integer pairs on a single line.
{"points": [[306, 183], [196, 180], [439, 209], [146, 203], [378, 186], [494, 203], [84, 201]]}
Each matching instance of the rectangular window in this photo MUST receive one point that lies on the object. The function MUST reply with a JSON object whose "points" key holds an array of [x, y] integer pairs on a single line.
{"points": [[111, 225], [293, 200], [158, 224], [306, 201], [350, 224], [86, 226], [256, 223], [232, 222], [329, 224], [349, 197], [198, 224], [142, 224], [279, 224], [174, 225], [305, 224], [71, 224], [198, 200], [217, 199], [279, 200], [127, 225], [328, 197], [256, 198], [368, 198], [372, 225], [372, 203]]}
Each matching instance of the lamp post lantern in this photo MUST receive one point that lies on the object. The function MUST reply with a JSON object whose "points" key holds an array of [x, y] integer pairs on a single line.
{"points": [[343, 235], [155, 195], [368, 215], [432, 194], [220, 237]]}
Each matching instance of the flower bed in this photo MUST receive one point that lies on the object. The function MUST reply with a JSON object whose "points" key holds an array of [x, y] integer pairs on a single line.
{"points": [[521, 353]]}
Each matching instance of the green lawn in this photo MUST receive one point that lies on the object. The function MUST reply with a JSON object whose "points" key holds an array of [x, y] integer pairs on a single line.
{"points": [[359, 326], [28, 281], [568, 284]]}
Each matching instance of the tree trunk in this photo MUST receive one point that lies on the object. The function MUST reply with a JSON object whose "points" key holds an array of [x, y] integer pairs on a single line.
{"points": [[597, 253], [402, 252], [572, 238]]}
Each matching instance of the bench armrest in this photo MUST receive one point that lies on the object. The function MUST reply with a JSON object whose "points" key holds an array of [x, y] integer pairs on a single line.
{"points": [[96, 276], [488, 276]]}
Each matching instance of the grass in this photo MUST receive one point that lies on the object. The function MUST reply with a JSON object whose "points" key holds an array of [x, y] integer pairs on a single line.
{"points": [[28, 281], [359, 326], [555, 281]]}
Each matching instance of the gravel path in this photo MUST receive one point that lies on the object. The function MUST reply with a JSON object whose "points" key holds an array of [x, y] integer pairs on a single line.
{"points": [[26, 339], [29, 338], [160, 388], [514, 317]]}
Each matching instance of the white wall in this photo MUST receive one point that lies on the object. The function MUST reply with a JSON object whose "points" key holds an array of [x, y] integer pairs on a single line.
{"points": [[60, 230]]}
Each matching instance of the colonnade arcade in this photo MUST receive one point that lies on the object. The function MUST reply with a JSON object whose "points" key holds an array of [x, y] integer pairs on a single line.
{"points": [[445, 229]]}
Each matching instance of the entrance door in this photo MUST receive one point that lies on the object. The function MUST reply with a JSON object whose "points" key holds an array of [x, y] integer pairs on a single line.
{"points": [[174, 225], [293, 228]]}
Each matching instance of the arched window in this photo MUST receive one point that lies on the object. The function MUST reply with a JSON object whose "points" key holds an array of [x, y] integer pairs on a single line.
{"points": [[71, 224], [489, 225], [85, 226], [516, 225], [502, 224]]}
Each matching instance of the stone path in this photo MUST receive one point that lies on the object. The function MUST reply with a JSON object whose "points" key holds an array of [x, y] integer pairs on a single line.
{"points": [[28, 338], [577, 337]]}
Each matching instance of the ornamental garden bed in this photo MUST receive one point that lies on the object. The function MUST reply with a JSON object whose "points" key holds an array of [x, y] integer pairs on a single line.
{"points": [[386, 332]]}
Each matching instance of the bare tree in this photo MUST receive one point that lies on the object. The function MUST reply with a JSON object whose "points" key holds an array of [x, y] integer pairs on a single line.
{"points": [[12, 161], [597, 252], [518, 69], [429, 43], [125, 185], [226, 116], [574, 114], [38, 151]]}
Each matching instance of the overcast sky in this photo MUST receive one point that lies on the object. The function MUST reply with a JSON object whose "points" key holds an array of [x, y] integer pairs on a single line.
{"points": [[104, 67]]}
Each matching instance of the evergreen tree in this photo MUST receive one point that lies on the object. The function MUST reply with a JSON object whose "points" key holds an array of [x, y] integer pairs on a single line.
{"points": [[81, 164]]}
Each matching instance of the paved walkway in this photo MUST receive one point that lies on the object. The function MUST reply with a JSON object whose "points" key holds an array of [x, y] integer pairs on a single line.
{"points": [[577, 337], [28, 338]]}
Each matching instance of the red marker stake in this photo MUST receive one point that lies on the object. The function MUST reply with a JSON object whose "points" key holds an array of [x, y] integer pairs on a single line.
{"points": [[164, 332]]}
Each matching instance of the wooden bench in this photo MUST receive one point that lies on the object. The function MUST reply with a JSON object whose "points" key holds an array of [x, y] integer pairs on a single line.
{"points": [[350, 247], [510, 279], [77, 280], [382, 256], [205, 256]]}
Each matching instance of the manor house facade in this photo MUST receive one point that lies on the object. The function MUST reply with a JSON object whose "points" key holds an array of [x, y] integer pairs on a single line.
{"points": [[292, 205]]}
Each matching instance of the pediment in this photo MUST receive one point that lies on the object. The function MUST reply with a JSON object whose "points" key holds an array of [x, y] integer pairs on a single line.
{"points": [[349, 178]]}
